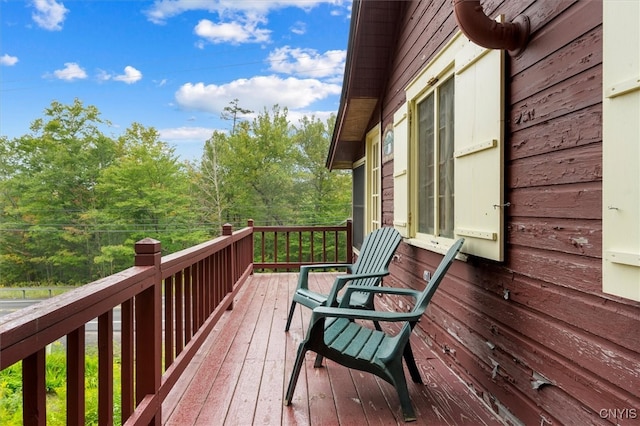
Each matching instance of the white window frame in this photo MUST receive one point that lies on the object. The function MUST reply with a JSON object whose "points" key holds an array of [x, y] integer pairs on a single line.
{"points": [[478, 149], [434, 238], [373, 163]]}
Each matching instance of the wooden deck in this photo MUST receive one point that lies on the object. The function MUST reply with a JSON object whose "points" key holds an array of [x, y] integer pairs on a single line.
{"points": [[244, 384]]}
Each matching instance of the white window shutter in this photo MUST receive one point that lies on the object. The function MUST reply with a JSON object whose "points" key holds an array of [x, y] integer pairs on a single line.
{"points": [[479, 147], [401, 170], [621, 149]]}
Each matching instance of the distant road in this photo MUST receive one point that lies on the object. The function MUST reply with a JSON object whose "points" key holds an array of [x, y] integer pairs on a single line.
{"points": [[91, 329], [9, 305]]}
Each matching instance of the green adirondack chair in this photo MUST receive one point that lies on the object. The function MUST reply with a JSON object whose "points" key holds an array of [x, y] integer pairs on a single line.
{"points": [[334, 334], [372, 264]]}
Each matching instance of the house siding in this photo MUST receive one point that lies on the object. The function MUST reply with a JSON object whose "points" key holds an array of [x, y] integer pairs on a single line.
{"points": [[534, 336]]}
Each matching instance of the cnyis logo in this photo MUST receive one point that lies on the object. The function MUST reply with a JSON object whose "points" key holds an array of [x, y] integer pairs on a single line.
{"points": [[618, 413]]}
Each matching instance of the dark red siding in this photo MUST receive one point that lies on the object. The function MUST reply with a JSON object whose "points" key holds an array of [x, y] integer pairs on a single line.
{"points": [[534, 336]]}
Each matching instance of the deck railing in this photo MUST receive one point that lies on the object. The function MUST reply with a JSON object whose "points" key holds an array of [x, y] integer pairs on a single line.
{"points": [[168, 305], [289, 247]]}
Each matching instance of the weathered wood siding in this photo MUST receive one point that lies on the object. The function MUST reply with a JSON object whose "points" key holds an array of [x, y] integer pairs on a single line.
{"points": [[534, 336]]}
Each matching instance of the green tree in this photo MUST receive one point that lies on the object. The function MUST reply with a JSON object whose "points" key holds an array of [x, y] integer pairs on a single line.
{"points": [[213, 205], [49, 179], [273, 173], [73, 202], [254, 167], [234, 113], [147, 192], [324, 196]]}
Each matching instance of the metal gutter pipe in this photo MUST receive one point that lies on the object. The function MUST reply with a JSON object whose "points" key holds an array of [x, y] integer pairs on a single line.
{"points": [[485, 32]]}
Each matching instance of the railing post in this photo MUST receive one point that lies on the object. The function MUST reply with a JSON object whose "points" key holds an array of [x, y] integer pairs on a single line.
{"points": [[230, 275], [148, 326], [34, 410], [250, 224], [349, 241]]}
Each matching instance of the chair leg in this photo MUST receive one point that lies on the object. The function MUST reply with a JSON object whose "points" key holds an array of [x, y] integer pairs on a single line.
{"points": [[411, 364], [302, 350], [293, 308], [400, 383], [318, 361], [405, 402]]}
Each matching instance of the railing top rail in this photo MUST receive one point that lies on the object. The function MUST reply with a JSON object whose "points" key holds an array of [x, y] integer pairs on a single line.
{"points": [[47, 322], [179, 260], [298, 228]]}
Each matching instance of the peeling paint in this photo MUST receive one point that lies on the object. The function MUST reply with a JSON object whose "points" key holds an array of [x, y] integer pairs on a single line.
{"points": [[496, 367], [453, 334], [539, 381], [579, 241]]}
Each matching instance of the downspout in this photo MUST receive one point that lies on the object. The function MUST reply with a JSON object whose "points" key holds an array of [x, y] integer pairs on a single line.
{"points": [[485, 32]]}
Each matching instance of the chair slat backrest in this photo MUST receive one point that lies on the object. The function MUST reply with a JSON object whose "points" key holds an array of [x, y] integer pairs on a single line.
{"points": [[376, 254], [438, 275]]}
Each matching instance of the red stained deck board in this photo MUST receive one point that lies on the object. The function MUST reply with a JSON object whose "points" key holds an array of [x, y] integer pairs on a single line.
{"points": [[239, 376]]}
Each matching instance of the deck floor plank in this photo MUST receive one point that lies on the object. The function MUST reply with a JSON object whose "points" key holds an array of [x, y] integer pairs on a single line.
{"points": [[240, 375], [222, 395], [269, 404], [200, 383], [246, 395]]}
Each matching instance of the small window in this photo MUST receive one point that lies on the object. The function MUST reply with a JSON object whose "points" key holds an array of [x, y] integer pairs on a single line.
{"points": [[373, 154], [448, 153], [358, 204], [435, 161]]}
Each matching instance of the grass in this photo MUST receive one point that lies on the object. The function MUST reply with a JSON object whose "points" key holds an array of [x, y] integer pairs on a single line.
{"points": [[11, 293], [56, 386]]}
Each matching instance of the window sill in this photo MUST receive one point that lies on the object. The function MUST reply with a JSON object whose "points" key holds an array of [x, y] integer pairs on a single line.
{"points": [[440, 247]]}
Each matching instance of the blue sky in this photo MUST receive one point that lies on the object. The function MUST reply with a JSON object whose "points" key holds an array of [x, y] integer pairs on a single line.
{"points": [[171, 64]]}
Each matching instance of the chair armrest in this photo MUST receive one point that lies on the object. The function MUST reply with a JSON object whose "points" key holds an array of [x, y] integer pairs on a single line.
{"points": [[326, 266], [342, 280], [329, 312], [381, 290], [303, 277]]}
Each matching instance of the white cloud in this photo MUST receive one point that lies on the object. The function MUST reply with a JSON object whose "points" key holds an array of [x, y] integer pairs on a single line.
{"points": [[232, 32], [71, 71], [255, 93], [165, 9], [295, 116], [103, 75], [8, 60], [299, 28], [130, 76], [307, 62], [49, 14], [186, 134]]}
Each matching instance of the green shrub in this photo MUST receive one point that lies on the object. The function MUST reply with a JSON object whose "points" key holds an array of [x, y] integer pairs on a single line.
{"points": [[56, 387]]}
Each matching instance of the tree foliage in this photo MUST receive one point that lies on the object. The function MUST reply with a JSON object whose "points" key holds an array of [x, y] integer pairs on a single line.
{"points": [[274, 173], [73, 201]]}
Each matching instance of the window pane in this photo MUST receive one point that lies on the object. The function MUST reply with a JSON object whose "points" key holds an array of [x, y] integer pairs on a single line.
{"points": [[445, 160], [374, 183], [358, 205], [426, 165]]}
